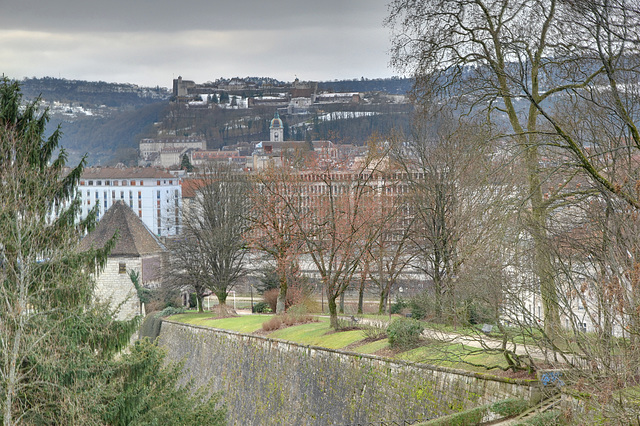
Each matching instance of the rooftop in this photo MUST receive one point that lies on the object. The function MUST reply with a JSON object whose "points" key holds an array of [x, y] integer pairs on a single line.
{"points": [[134, 238]]}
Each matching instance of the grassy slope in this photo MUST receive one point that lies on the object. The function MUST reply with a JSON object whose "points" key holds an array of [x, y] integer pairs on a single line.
{"points": [[320, 334]]}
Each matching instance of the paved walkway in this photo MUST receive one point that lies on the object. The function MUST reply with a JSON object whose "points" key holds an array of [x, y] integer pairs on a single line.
{"points": [[480, 341]]}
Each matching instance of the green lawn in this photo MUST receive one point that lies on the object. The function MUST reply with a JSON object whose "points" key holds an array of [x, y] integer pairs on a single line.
{"points": [[453, 355], [320, 334], [373, 347], [242, 324]]}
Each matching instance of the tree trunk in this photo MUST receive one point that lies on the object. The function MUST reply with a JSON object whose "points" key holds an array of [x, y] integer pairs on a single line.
{"points": [[333, 311], [342, 302], [222, 297], [361, 298], [282, 296], [200, 299], [384, 299]]}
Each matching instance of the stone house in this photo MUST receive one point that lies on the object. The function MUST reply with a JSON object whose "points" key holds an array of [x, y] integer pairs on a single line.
{"points": [[136, 249]]}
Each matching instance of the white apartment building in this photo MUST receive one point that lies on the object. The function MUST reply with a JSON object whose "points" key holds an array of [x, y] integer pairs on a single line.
{"points": [[153, 194]]}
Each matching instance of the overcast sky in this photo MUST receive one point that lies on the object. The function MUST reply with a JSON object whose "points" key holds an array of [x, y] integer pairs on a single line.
{"points": [[150, 42]]}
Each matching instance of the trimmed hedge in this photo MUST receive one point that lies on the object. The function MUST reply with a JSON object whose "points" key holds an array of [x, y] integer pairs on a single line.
{"points": [[510, 407]]}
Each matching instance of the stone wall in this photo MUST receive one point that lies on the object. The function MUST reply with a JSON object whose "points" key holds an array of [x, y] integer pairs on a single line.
{"points": [[273, 382], [117, 289]]}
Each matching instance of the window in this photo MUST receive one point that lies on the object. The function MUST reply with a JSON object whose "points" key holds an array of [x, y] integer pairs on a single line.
{"points": [[122, 195], [122, 268], [81, 183], [141, 183], [107, 182], [139, 204], [133, 183], [90, 183], [158, 183], [113, 194], [124, 183], [139, 195], [158, 195], [139, 213], [115, 183], [170, 182], [99, 183]]}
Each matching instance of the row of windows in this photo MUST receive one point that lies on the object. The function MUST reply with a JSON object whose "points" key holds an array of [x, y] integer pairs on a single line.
{"points": [[113, 194], [123, 182]]}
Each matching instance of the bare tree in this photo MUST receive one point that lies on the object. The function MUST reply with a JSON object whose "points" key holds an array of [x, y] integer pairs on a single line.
{"points": [[392, 251], [276, 194], [214, 227], [186, 268], [518, 60], [336, 225], [458, 203]]}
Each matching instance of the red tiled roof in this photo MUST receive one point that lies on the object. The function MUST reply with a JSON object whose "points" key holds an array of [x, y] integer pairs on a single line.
{"points": [[124, 173]]}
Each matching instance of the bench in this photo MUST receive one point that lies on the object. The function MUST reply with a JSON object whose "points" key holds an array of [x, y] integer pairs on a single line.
{"points": [[486, 328]]}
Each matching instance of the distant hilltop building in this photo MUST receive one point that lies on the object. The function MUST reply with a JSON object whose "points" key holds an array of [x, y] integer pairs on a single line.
{"points": [[182, 87], [154, 195], [299, 97], [167, 152]]}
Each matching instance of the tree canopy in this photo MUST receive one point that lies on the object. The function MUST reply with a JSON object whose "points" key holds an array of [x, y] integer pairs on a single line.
{"points": [[58, 348]]}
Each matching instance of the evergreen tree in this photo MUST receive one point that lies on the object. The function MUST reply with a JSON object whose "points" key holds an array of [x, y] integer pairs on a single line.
{"points": [[185, 164], [57, 347]]}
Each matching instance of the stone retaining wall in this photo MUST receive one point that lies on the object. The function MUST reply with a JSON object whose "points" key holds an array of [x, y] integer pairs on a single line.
{"points": [[274, 382]]}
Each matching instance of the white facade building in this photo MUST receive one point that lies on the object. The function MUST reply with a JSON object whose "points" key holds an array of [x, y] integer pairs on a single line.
{"points": [[154, 195]]}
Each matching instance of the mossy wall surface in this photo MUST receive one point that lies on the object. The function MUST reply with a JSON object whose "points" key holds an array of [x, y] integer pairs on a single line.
{"points": [[273, 382]]}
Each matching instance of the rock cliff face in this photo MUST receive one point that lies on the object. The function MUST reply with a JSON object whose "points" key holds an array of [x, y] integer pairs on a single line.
{"points": [[272, 382]]}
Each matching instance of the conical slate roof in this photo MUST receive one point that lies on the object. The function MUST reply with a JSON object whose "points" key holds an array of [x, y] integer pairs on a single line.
{"points": [[134, 238]]}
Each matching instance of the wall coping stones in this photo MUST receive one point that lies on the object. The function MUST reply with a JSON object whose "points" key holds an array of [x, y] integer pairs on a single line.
{"points": [[534, 383]]}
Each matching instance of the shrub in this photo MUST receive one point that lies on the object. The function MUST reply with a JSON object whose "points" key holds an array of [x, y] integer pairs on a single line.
{"points": [[419, 307], [373, 332], [404, 333], [510, 407], [262, 308], [277, 321], [272, 324], [300, 309], [270, 297], [170, 310], [397, 306]]}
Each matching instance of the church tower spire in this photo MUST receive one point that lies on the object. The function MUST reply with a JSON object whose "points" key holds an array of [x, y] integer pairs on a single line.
{"points": [[276, 129]]}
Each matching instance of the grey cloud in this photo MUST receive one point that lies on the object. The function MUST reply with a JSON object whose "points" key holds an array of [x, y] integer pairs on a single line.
{"points": [[150, 42], [169, 15]]}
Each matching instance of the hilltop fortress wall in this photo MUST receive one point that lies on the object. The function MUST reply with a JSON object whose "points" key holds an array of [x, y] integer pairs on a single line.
{"points": [[273, 382]]}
